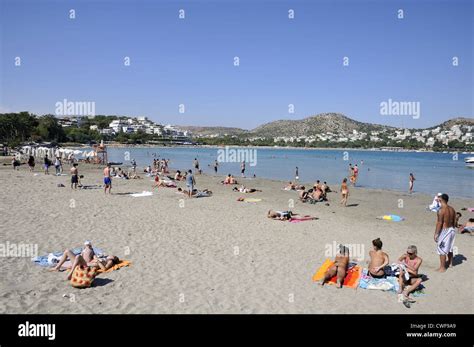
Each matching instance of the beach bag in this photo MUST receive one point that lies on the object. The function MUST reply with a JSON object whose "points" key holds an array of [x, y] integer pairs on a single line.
{"points": [[83, 276]]}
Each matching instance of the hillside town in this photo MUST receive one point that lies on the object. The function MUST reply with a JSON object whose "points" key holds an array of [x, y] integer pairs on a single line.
{"points": [[428, 137], [130, 125]]}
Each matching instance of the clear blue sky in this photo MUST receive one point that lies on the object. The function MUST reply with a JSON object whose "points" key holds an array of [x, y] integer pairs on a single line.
{"points": [[282, 61]]}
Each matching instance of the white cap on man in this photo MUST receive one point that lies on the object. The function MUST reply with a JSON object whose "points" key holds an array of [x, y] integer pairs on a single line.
{"points": [[87, 243]]}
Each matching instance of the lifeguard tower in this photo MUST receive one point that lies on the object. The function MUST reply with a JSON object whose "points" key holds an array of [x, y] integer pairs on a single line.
{"points": [[100, 153]]}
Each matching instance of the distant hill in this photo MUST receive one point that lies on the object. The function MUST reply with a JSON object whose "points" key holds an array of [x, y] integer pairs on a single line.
{"points": [[455, 121], [321, 123], [335, 123]]}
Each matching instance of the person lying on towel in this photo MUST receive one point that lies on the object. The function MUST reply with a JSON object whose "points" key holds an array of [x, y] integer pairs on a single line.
{"points": [[412, 263], [378, 260], [86, 257], [339, 269], [105, 263], [280, 215]]}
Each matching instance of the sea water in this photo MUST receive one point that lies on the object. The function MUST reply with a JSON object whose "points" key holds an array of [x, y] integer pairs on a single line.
{"points": [[434, 172]]}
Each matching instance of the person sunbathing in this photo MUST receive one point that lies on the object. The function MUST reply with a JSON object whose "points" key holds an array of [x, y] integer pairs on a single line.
{"points": [[317, 194], [468, 227], [378, 260], [289, 186], [158, 182], [204, 192], [243, 189], [410, 283], [339, 268], [178, 176], [229, 180], [280, 215], [326, 188], [317, 185], [162, 183], [303, 195], [105, 263], [86, 257]]}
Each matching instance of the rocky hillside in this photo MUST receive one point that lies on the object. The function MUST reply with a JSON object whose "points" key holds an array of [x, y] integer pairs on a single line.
{"points": [[455, 121], [322, 123]]}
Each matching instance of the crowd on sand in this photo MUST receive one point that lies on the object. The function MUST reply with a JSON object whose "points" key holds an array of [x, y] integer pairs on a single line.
{"points": [[406, 268]]}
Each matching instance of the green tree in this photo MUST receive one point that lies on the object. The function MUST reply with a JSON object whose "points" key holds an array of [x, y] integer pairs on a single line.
{"points": [[49, 129]]}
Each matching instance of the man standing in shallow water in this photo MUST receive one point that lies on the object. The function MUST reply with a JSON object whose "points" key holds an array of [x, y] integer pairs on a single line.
{"points": [[445, 233]]}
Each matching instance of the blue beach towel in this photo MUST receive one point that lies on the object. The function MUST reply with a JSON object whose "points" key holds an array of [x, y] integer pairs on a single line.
{"points": [[389, 283]]}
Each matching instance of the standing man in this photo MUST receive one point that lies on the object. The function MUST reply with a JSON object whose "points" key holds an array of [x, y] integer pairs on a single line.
{"points": [[196, 165], [190, 182], [57, 166], [134, 166], [216, 164], [74, 176], [297, 176], [31, 163], [242, 168], [107, 179], [445, 233], [412, 182], [46, 164]]}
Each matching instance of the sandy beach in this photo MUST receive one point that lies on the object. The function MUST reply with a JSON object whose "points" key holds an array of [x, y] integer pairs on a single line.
{"points": [[214, 255]]}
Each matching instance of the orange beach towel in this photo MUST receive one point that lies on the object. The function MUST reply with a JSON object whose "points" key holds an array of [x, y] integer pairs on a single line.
{"points": [[352, 276], [122, 263]]}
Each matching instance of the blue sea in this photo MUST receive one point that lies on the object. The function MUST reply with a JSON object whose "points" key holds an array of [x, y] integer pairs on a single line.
{"points": [[434, 172]]}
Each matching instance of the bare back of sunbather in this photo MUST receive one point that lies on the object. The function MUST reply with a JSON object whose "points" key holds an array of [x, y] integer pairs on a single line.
{"points": [[377, 259]]}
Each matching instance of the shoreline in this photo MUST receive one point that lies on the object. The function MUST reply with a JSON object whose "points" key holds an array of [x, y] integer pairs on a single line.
{"points": [[117, 145]]}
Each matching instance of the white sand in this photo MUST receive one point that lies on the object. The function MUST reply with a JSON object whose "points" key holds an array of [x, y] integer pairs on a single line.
{"points": [[213, 255]]}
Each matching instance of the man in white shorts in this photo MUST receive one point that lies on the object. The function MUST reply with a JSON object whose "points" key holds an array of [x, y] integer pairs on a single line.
{"points": [[445, 233]]}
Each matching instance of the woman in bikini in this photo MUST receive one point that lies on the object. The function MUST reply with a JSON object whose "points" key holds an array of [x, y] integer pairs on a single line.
{"points": [[339, 268], [344, 192]]}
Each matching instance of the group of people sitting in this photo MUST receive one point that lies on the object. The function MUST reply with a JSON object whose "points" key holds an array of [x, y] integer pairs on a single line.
{"points": [[229, 180], [126, 175], [406, 268], [316, 194]]}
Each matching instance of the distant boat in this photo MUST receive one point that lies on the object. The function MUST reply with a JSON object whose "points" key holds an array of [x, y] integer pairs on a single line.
{"points": [[469, 161]]}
